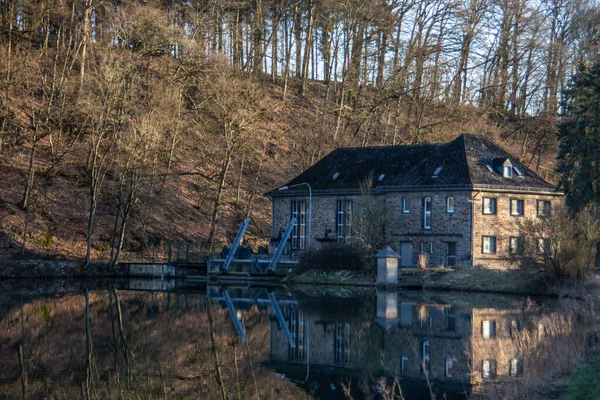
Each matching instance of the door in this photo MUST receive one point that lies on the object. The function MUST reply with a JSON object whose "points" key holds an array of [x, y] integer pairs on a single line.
{"points": [[451, 252], [406, 254]]}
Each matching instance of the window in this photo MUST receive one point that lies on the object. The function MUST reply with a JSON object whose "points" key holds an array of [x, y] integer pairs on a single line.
{"points": [[451, 254], [426, 356], [403, 364], [516, 207], [344, 220], [488, 329], [489, 205], [516, 367], [544, 246], [515, 245], [543, 208], [489, 245], [450, 204], [342, 343], [488, 369], [423, 246], [507, 172], [298, 211], [405, 315], [514, 328], [405, 209], [296, 327], [450, 319], [518, 171], [449, 367], [427, 213], [437, 171], [430, 247]]}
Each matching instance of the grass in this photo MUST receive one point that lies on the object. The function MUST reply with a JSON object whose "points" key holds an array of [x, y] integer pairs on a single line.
{"points": [[584, 383], [330, 277], [487, 280]]}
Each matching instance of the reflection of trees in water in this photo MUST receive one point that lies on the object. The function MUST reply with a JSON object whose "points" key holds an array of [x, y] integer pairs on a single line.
{"points": [[144, 345]]}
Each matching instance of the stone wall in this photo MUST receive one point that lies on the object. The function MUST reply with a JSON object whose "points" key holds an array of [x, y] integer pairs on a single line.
{"points": [[400, 227], [502, 225], [446, 227]]}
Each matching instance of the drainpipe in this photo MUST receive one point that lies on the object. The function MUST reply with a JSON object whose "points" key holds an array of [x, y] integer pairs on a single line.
{"points": [[472, 201]]}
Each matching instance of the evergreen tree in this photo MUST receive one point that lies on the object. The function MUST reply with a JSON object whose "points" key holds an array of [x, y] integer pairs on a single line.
{"points": [[579, 140]]}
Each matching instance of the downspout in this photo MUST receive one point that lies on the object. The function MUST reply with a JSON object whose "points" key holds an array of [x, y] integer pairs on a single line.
{"points": [[472, 201]]}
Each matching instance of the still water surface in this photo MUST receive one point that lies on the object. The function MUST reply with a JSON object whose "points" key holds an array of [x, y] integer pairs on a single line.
{"points": [[166, 339]]}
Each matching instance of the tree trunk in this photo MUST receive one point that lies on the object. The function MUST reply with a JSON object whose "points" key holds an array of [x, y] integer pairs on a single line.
{"points": [[214, 220], [257, 37], [307, 45]]}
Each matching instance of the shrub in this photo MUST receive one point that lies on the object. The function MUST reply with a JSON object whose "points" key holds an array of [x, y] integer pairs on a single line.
{"points": [[343, 256], [560, 246]]}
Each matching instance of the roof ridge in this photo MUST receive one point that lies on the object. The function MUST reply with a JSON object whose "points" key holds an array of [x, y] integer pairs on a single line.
{"points": [[391, 146]]}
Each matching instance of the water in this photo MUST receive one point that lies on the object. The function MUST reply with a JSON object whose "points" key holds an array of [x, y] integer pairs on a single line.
{"points": [[166, 339]]}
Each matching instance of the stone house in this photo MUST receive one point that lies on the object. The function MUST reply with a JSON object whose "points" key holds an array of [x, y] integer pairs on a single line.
{"points": [[455, 204]]}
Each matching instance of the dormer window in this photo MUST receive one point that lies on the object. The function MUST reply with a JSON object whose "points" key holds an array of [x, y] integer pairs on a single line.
{"points": [[437, 171], [506, 168], [335, 176], [381, 177]]}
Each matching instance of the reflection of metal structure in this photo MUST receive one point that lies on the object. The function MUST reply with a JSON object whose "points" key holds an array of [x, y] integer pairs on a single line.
{"points": [[282, 323], [236, 321]]}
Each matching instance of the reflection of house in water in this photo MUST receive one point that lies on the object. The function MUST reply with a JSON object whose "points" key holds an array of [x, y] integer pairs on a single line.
{"points": [[452, 348]]}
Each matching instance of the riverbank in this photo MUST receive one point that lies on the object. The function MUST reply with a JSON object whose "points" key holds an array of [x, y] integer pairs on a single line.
{"points": [[482, 280], [39, 268]]}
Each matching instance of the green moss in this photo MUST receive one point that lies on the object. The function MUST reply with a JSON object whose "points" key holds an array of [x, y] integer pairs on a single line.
{"points": [[44, 312], [584, 383], [44, 240]]}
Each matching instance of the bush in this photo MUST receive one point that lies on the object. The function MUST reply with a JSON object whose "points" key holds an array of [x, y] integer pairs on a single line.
{"points": [[343, 256], [560, 246]]}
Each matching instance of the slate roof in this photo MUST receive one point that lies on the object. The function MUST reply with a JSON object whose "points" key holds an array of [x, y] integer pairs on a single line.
{"points": [[463, 163]]}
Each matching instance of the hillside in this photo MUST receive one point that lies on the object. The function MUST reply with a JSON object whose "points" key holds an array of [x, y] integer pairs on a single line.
{"points": [[180, 150]]}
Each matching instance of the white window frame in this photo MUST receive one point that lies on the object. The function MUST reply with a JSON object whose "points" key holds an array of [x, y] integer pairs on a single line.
{"points": [[491, 247], [298, 211], [512, 249], [488, 329], [514, 207], [541, 210], [543, 246], [493, 201], [344, 209], [507, 171], [403, 364], [427, 213], [487, 368], [449, 367], [450, 207], [405, 209], [515, 367], [426, 356]]}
